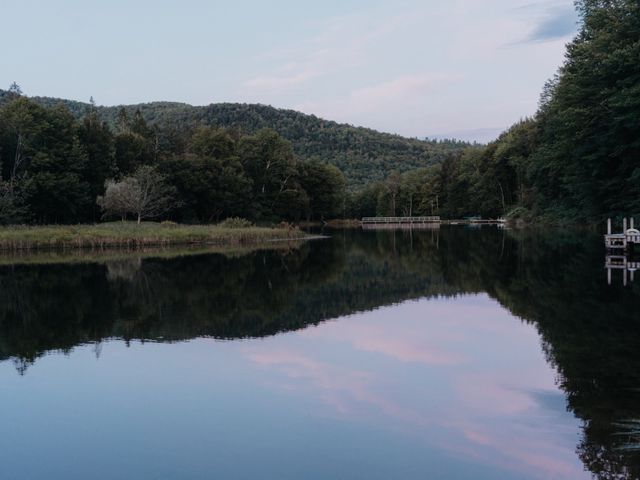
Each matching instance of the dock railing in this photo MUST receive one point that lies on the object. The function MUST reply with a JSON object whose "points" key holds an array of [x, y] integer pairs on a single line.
{"points": [[624, 240], [391, 220]]}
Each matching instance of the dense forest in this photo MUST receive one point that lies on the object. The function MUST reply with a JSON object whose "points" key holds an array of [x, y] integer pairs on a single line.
{"points": [[577, 159], [57, 169], [362, 154], [58, 158]]}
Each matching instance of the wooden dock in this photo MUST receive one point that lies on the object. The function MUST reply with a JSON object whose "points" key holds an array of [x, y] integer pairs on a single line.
{"points": [[408, 222], [625, 240], [399, 220]]}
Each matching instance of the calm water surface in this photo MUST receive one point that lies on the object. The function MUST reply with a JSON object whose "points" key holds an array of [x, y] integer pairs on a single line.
{"points": [[452, 354]]}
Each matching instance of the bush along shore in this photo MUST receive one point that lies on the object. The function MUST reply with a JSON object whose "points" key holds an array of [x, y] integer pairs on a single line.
{"points": [[146, 234]]}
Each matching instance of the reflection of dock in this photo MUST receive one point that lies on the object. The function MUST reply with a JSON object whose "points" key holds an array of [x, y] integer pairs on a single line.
{"points": [[621, 262], [401, 226]]}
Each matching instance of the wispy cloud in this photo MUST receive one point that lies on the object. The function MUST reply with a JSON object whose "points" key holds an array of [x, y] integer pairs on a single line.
{"points": [[344, 43], [403, 87], [389, 96], [553, 21], [414, 69]]}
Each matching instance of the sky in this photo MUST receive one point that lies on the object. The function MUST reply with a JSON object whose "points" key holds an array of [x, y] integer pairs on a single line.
{"points": [[419, 68]]}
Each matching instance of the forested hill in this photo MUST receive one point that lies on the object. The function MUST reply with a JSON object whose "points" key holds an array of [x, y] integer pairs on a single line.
{"points": [[362, 154]]}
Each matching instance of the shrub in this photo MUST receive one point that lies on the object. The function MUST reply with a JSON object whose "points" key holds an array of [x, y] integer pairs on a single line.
{"points": [[286, 226], [235, 222]]}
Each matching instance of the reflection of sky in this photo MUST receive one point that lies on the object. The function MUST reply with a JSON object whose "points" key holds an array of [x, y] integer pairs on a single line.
{"points": [[428, 389]]}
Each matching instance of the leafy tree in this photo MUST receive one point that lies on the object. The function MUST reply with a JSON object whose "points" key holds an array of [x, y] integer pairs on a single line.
{"points": [[213, 142], [123, 123], [269, 163], [365, 201], [144, 194], [12, 210], [209, 188], [118, 198], [97, 140], [363, 155], [135, 143], [41, 152], [209, 177], [324, 186], [587, 163], [14, 90], [131, 152]]}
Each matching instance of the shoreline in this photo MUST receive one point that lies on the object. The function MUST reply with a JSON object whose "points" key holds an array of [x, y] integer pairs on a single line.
{"points": [[128, 235]]}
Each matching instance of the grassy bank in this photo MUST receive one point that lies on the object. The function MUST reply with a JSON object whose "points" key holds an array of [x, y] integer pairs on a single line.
{"points": [[132, 235]]}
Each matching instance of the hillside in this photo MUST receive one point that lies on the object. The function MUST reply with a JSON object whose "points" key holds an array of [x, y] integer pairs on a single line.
{"points": [[362, 154]]}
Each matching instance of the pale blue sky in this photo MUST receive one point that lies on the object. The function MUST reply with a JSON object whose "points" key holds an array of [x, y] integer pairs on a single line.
{"points": [[416, 67]]}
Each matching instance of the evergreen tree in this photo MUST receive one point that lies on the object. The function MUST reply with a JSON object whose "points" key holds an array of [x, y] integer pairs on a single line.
{"points": [[324, 187], [98, 143]]}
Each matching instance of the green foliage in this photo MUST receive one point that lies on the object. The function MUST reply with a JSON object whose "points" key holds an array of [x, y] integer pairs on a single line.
{"points": [[270, 165], [362, 154], [133, 234], [491, 180], [235, 222], [325, 188], [209, 177], [579, 158], [43, 158], [98, 143], [12, 209], [588, 161], [59, 167]]}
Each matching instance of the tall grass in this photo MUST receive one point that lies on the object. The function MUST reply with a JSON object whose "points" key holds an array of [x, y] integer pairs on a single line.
{"points": [[132, 235]]}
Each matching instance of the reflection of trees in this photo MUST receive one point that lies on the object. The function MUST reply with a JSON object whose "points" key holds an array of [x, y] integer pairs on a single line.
{"points": [[126, 268], [589, 331]]}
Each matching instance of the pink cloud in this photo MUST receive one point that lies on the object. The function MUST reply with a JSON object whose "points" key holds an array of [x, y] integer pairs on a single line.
{"points": [[406, 351], [479, 367]]}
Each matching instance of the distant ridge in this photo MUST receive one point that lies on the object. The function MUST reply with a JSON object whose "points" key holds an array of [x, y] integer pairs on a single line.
{"points": [[362, 154]]}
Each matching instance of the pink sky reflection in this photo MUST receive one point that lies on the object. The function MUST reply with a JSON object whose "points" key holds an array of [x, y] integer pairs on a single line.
{"points": [[460, 374]]}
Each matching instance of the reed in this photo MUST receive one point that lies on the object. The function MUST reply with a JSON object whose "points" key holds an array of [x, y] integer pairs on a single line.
{"points": [[132, 235]]}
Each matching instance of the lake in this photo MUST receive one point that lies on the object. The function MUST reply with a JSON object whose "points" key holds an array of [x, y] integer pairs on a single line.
{"points": [[456, 353]]}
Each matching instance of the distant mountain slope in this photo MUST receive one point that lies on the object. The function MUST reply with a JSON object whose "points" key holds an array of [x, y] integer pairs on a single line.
{"points": [[361, 153]]}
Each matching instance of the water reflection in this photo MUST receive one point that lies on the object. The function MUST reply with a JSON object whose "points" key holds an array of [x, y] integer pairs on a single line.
{"points": [[450, 374], [467, 397], [627, 265]]}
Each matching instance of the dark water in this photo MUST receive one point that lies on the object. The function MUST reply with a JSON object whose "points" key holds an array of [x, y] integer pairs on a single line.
{"points": [[480, 354]]}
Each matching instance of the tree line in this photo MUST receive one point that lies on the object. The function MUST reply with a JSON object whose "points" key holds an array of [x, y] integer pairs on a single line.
{"points": [[57, 169], [362, 154], [577, 159]]}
